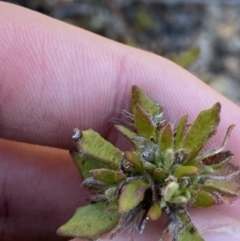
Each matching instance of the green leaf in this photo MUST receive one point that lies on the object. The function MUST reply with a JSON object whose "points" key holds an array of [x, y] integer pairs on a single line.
{"points": [[120, 176], [131, 195], [159, 175], [90, 222], [168, 159], [185, 171], [170, 190], [129, 134], [148, 166], [104, 175], [154, 212], [134, 159], [113, 206], [219, 188], [203, 199], [110, 192], [141, 99], [179, 200], [85, 164], [181, 156], [222, 164], [166, 138], [186, 58], [92, 145], [143, 123], [204, 126], [205, 170], [180, 130], [190, 233]]}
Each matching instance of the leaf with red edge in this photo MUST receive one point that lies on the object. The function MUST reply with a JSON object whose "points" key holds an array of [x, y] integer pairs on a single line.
{"points": [[92, 145], [185, 171], [217, 158], [129, 134], [143, 123], [166, 139], [141, 99], [134, 160], [131, 195], [202, 129], [104, 175], [180, 130]]}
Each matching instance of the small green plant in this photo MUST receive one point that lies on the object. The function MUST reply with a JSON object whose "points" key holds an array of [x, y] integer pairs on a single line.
{"points": [[187, 58], [166, 171]]}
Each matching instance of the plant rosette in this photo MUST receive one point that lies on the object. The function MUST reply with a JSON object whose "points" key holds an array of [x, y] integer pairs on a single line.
{"points": [[165, 172]]}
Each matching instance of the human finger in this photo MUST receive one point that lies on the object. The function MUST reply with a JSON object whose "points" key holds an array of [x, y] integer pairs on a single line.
{"points": [[40, 190], [55, 77]]}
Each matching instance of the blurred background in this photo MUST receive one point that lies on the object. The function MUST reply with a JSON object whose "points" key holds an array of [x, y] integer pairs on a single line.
{"points": [[171, 28]]}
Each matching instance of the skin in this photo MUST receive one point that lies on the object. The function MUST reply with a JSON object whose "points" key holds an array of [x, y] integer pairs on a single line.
{"points": [[54, 77]]}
